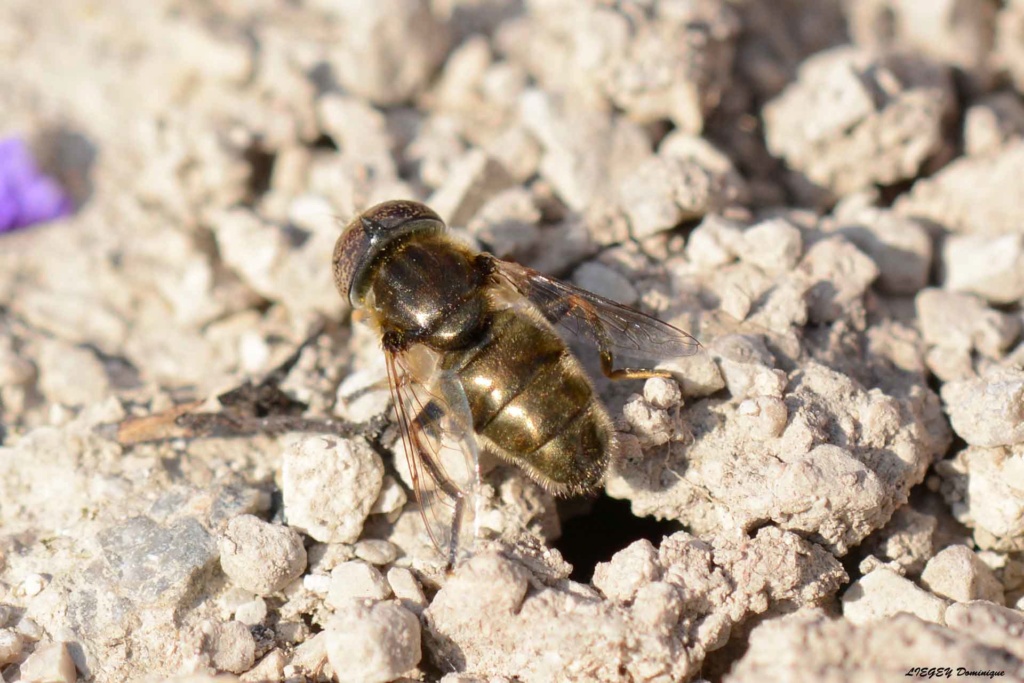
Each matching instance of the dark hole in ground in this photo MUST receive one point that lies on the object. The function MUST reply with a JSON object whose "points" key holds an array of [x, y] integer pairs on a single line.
{"points": [[120, 371], [322, 77], [261, 161], [276, 511], [296, 235], [325, 142], [606, 529], [888, 194]]}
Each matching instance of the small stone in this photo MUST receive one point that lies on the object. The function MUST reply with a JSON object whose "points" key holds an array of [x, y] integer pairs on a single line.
{"points": [[372, 642], [604, 281], [774, 246], [376, 551], [767, 415], [984, 488], [356, 580], [991, 267], [392, 497], [667, 62], [991, 122], [389, 50], [253, 352], [988, 410], [662, 393], [1009, 26], [838, 274], [565, 244], [657, 606], [964, 321], [309, 655], [972, 195], [363, 395], [270, 669], [261, 557], [291, 170], [516, 150], [900, 246], [15, 371], [698, 148], [652, 426], [436, 146], [997, 627], [856, 118], [958, 574], [319, 584], [251, 613], [263, 255], [661, 193], [586, 153], [747, 366], [701, 36], [157, 565], [950, 364], [843, 487], [884, 593], [71, 375], [50, 663], [362, 131], [907, 539], [230, 645], [945, 30], [802, 646], [697, 375], [323, 557], [11, 645], [407, 589], [29, 629], [713, 243], [76, 318], [629, 570], [330, 486], [32, 585], [471, 182], [507, 224], [485, 583], [226, 58]]}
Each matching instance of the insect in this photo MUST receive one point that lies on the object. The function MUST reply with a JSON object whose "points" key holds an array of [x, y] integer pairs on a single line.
{"points": [[475, 362]]}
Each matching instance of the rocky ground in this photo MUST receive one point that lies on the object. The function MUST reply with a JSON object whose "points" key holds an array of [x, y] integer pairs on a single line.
{"points": [[826, 193]]}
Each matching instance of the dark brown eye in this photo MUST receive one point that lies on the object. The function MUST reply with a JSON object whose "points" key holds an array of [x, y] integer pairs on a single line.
{"points": [[380, 220], [349, 251], [368, 233]]}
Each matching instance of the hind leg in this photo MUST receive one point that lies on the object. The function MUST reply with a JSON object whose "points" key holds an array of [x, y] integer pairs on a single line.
{"points": [[607, 367]]}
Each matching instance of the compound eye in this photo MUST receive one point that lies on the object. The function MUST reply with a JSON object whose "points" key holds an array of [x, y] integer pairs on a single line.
{"points": [[386, 217], [350, 254], [368, 234]]}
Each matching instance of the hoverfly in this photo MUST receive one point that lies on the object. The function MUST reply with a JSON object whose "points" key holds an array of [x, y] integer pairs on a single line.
{"points": [[475, 363]]}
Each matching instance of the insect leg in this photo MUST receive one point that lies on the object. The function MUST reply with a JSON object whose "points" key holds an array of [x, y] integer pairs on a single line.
{"points": [[580, 316], [604, 347], [458, 511], [607, 360], [454, 428], [453, 542]]}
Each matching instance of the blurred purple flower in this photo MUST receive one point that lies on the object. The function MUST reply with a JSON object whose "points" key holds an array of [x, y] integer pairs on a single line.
{"points": [[27, 196]]}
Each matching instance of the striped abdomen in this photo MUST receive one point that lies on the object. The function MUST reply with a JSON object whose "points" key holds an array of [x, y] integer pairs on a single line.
{"points": [[533, 403]]}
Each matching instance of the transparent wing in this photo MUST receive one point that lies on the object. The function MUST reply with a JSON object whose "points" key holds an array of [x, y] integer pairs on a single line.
{"points": [[603, 321], [440, 449]]}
